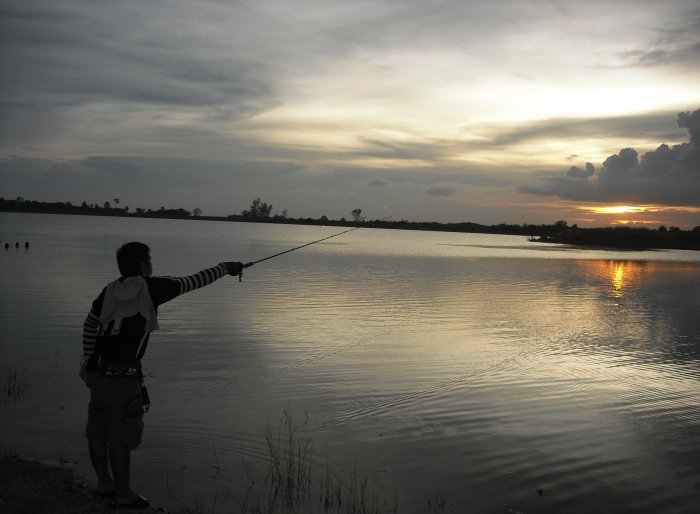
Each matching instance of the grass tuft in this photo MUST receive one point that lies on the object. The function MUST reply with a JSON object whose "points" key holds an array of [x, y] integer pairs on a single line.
{"points": [[288, 485], [15, 385]]}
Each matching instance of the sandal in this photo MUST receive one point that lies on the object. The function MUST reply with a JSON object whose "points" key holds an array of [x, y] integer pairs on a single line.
{"points": [[139, 503]]}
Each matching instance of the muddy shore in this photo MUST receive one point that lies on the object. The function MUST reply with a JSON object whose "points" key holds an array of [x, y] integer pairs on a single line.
{"points": [[29, 487]]}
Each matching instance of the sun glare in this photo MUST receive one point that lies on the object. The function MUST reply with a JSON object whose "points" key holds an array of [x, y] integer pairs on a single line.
{"points": [[619, 209], [635, 222]]}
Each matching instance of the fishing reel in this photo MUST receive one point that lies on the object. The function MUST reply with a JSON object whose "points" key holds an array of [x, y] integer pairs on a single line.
{"points": [[240, 274]]}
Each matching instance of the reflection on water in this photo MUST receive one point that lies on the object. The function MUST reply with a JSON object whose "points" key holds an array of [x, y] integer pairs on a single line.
{"points": [[617, 279], [463, 361]]}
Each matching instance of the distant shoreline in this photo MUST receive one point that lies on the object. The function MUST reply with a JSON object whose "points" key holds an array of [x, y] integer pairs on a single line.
{"points": [[626, 238], [621, 237]]}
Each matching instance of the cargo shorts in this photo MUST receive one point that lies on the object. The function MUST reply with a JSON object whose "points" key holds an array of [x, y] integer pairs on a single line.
{"points": [[115, 413]]}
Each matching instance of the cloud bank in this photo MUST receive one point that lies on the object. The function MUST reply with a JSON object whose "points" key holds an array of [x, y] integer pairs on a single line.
{"points": [[669, 175]]}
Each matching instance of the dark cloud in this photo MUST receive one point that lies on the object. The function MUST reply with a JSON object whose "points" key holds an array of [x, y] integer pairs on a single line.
{"points": [[669, 175], [577, 172], [204, 54], [68, 54], [441, 191], [378, 182]]}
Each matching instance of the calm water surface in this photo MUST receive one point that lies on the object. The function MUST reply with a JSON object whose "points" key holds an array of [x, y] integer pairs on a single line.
{"points": [[482, 366]]}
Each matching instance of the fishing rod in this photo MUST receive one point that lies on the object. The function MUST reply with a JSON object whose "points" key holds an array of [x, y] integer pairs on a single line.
{"points": [[248, 265]]}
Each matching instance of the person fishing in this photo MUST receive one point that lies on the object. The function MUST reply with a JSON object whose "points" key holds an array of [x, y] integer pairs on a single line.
{"points": [[115, 337]]}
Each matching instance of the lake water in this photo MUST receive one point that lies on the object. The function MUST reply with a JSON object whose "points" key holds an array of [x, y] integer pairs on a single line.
{"points": [[473, 368]]}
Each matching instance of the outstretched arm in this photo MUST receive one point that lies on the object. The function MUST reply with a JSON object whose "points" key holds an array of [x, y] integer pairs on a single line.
{"points": [[207, 276], [201, 279], [164, 289]]}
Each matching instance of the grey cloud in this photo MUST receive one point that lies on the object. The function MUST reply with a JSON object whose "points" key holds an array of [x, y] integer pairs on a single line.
{"points": [[425, 177], [387, 150], [72, 54], [144, 180], [692, 123], [577, 172], [210, 60], [378, 182], [669, 175], [186, 54], [679, 45], [653, 125], [650, 126], [441, 191]]}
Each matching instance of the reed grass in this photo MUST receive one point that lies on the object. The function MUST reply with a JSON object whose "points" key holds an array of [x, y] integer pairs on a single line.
{"points": [[60, 454], [15, 385], [436, 501], [287, 483]]}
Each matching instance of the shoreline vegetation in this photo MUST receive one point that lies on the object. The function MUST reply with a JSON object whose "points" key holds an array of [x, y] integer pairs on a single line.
{"points": [[625, 237], [282, 483]]}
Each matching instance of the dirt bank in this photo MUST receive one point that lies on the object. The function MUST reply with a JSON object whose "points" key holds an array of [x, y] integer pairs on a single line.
{"points": [[29, 487]]}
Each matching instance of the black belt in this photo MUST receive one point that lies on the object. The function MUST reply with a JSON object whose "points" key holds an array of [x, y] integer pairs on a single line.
{"points": [[120, 369]]}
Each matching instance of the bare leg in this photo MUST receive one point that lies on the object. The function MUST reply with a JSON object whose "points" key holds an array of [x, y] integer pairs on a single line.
{"points": [[98, 456], [120, 460]]}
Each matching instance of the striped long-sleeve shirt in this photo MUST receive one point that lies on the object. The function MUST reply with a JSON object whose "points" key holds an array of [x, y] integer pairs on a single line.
{"points": [[126, 339]]}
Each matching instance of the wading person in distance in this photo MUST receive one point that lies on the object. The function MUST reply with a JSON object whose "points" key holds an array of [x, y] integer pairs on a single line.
{"points": [[115, 336]]}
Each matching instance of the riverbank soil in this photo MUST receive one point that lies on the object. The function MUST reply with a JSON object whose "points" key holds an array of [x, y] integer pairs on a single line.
{"points": [[29, 487]]}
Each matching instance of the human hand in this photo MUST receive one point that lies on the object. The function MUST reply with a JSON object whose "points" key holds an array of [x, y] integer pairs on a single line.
{"points": [[234, 268], [83, 370]]}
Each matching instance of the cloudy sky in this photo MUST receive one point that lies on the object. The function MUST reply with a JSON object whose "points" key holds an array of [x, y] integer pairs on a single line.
{"points": [[502, 111]]}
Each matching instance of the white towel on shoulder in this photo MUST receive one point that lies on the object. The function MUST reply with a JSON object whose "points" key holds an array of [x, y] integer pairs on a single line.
{"points": [[126, 299]]}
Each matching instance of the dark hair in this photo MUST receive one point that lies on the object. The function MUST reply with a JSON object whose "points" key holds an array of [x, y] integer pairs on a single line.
{"points": [[130, 257]]}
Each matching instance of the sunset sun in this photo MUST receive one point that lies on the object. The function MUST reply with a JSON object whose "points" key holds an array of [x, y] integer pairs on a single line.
{"points": [[619, 209]]}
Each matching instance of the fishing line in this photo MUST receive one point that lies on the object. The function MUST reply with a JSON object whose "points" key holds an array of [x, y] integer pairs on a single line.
{"points": [[248, 265]]}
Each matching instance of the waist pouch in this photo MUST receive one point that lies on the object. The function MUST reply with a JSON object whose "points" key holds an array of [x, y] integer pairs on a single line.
{"points": [[120, 369]]}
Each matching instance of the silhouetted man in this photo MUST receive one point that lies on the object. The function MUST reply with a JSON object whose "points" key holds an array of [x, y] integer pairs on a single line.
{"points": [[115, 337]]}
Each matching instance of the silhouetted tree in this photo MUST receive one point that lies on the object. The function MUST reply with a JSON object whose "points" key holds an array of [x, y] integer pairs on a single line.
{"points": [[662, 228], [196, 212], [357, 215], [107, 206], [257, 209]]}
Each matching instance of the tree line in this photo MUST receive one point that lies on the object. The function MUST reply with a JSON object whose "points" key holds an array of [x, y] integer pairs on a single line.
{"points": [[262, 212]]}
